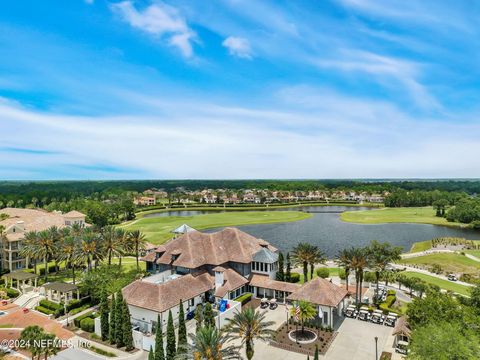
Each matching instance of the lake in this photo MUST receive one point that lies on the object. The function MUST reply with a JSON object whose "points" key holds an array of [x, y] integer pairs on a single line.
{"points": [[328, 232]]}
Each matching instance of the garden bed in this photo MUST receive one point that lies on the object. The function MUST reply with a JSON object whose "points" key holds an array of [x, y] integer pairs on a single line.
{"points": [[323, 340]]}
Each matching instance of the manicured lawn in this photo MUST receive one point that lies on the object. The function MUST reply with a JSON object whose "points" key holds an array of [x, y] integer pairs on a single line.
{"points": [[455, 263], [333, 272], [158, 229], [421, 246], [129, 263], [474, 253], [421, 215], [443, 284]]}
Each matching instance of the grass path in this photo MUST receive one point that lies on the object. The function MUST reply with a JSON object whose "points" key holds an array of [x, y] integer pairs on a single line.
{"points": [[419, 215], [158, 229], [443, 284]]}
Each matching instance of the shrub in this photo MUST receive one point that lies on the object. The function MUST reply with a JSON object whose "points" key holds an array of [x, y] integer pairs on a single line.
{"points": [[80, 309], [74, 304], [51, 305], [87, 324], [11, 293], [244, 298], [44, 310], [323, 272], [387, 305], [294, 277], [341, 274], [90, 314], [51, 269]]}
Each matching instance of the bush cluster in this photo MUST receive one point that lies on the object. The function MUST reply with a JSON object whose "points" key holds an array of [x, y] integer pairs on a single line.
{"points": [[54, 308], [294, 277], [244, 298], [323, 272], [87, 324], [90, 314], [11, 293]]}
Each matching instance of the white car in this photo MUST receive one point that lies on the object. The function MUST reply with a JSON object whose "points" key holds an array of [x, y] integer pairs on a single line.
{"points": [[452, 277]]}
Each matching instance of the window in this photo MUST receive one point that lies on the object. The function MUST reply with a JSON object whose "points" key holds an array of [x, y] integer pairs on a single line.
{"points": [[191, 302]]}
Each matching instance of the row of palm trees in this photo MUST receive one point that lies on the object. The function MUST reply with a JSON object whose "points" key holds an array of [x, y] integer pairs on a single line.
{"points": [[305, 255], [79, 246], [376, 257]]}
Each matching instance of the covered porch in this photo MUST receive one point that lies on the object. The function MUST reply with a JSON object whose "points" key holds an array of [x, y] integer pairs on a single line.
{"points": [[60, 292], [264, 287], [21, 280]]}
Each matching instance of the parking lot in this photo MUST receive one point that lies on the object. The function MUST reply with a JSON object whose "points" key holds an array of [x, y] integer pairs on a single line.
{"points": [[356, 340]]}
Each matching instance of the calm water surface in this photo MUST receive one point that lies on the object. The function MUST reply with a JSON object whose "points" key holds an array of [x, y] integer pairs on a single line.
{"points": [[327, 231]]}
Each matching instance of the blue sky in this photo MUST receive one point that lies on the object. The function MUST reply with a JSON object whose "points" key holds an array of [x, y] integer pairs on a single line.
{"points": [[95, 89]]}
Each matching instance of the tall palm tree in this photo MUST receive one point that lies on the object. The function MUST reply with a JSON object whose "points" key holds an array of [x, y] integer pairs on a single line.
{"points": [[359, 264], [30, 248], [250, 325], [137, 238], [380, 255], [317, 256], [46, 243], [344, 260], [69, 250], [208, 343], [301, 255], [111, 242], [307, 312], [89, 249], [125, 246]]}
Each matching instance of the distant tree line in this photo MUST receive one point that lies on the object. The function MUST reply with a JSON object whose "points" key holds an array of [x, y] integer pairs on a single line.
{"points": [[413, 198]]}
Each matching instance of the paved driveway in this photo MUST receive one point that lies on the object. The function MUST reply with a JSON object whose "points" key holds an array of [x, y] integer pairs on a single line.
{"points": [[355, 340]]}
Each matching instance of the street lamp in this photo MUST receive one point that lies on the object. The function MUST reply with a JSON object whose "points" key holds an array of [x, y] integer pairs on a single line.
{"points": [[376, 347]]}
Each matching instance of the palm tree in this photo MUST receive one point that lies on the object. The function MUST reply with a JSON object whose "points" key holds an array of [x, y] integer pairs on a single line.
{"points": [[380, 255], [46, 244], [317, 256], [89, 249], [344, 260], [111, 242], [208, 344], [250, 325], [30, 248], [307, 312], [56, 235], [69, 250], [137, 238], [302, 256], [359, 263]]}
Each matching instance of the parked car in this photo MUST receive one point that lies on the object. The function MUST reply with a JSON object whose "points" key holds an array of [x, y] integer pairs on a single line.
{"points": [[363, 315], [378, 317], [452, 277], [351, 312], [402, 348], [391, 319]]}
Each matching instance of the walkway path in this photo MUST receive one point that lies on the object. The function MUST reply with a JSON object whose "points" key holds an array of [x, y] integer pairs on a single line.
{"points": [[471, 257], [427, 252]]}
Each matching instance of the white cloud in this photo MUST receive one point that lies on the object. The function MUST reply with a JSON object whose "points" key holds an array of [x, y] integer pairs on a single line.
{"points": [[161, 20], [238, 46], [312, 134]]}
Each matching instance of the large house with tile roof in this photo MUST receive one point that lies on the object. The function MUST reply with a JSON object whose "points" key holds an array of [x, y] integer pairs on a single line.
{"points": [[196, 267], [17, 222]]}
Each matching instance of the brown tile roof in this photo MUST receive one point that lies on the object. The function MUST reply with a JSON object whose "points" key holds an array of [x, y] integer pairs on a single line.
{"points": [[265, 282], [401, 327], [73, 214], [163, 296], [321, 292], [196, 248], [150, 257], [33, 220], [231, 281]]}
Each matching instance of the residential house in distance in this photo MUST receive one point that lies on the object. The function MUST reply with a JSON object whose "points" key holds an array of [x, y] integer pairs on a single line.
{"points": [[21, 221], [145, 201], [197, 267]]}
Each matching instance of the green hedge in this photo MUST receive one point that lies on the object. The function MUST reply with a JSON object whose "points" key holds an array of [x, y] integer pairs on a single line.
{"points": [[87, 324], [80, 309], [51, 269], [294, 277], [386, 306], [90, 314], [323, 272], [11, 293], [51, 305], [74, 304], [45, 310], [244, 298]]}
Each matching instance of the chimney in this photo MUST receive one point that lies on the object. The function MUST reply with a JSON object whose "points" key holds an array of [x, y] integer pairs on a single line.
{"points": [[219, 278], [21, 225]]}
